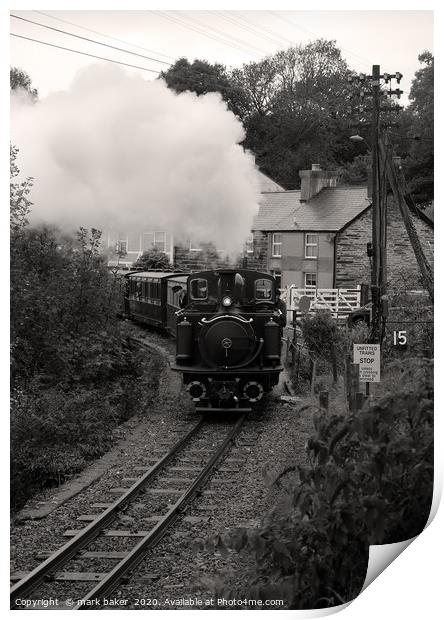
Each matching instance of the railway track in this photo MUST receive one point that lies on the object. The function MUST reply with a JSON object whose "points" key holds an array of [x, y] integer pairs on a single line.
{"points": [[158, 489]]}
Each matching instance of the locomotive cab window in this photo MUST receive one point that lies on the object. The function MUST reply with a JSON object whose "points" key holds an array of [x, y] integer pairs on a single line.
{"points": [[263, 289], [199, 289]]}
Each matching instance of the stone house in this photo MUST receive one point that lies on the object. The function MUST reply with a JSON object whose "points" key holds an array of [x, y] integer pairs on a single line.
{"points": [[316, 237]]}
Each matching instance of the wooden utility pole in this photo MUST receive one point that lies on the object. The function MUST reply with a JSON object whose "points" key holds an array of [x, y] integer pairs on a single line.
{"points": [[379, 211], [377, 263]]}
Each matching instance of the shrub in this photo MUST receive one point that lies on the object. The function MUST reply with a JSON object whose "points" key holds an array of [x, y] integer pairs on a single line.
{"points": [[370, 482]]}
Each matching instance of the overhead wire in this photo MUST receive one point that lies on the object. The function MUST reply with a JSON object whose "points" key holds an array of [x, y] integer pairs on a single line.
{"points": [[201, 31], [77, 36], [360, 59], [224, 34], [106, 36], [232, 19], [67, 49], [284, 40]]}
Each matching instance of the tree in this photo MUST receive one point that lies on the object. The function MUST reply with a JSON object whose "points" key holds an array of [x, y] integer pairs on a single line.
{"points": [[153, 259], [296, 113], [202, 77], [420, 161], [20, 79], [19, 202], [356, 172]]}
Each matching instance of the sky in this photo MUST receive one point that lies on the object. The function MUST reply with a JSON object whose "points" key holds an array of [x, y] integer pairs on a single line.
{"points": [[392, 39]]}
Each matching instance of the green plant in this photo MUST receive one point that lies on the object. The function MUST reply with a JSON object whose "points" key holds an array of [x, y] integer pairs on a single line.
{"points": [[370, 482]]}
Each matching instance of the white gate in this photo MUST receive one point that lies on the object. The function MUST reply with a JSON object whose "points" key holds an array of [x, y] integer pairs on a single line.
{"points": [[339, 301]]}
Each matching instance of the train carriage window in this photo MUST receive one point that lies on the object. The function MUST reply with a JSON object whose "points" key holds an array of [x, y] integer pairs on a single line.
{"points": [[263, 289], [156, 289], [138, 289], [199, 288]]}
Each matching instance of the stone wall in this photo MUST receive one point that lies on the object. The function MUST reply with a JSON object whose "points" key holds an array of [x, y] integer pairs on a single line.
{"points": [[258, 259], [353, 264]]}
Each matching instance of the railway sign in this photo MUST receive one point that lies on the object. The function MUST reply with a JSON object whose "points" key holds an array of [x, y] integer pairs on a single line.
{"points": [[368, 356]]}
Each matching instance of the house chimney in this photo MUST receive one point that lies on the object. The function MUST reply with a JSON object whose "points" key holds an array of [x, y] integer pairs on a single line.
{"points": [[314, 180]]}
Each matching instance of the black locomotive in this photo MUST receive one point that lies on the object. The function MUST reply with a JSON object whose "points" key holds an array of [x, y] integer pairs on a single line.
{"points": [[228, 327]]}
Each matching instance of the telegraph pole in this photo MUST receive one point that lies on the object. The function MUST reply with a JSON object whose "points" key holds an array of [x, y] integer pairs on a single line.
{"points": [[379, 213], [376, 207]]}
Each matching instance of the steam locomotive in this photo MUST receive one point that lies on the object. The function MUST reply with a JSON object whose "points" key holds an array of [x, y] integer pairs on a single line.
{"points": [[228, 326]]}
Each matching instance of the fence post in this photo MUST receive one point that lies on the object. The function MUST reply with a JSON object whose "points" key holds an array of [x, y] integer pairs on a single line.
{"points": [[298, 368], [347, 376], [334, 364], [293, 350], [313, 376], [323, 400], [354, 386], [360, 399]]}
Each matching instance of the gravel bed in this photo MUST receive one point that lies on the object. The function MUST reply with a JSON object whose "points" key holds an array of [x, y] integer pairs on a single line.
{"points": [[268, 443]]}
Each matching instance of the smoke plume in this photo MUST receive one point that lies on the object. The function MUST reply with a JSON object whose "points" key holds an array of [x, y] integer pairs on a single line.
{"points": [[117, 152]]}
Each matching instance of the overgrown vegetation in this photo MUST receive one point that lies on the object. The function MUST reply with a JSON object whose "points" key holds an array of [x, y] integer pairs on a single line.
{"points": [[323, 342], [74, 375], [370, 481]]}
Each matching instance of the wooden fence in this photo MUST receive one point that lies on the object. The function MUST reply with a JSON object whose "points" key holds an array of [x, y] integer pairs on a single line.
{"points": [[339, 301]]}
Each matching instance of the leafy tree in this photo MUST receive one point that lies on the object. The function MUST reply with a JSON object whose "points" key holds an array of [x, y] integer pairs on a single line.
{"points": [[20, 79], [420, 160], [202, 77], [356, 172], [152, 259], [19, 202], [296, 112]]}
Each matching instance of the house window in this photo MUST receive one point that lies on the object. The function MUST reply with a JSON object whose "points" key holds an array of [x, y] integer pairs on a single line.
{"points": [[193, 247], [122, 247], [249, 244], [160, 241], [311, 246], [310, 280], [276, 245], [277, 275]]}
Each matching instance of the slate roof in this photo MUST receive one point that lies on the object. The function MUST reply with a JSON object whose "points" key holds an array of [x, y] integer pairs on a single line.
{"points": [[330, 210], [267, 184]]}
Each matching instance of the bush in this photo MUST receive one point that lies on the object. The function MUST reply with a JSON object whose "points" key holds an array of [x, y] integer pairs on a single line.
{"points": [[370, 482], [57, 430]]}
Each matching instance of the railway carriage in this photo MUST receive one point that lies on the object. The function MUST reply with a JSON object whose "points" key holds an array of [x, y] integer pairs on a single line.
{"points": [[152, 297]]}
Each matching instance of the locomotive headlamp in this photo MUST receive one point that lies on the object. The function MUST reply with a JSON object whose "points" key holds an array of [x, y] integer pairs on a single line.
{"points": [[227, 301]]}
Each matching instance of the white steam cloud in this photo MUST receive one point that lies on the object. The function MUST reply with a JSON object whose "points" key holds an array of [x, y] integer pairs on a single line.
{"points": [[118, 152]]}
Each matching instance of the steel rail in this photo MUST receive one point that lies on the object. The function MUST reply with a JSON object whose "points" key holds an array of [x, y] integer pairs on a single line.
{"points": [[26, 585], [138, 553]]}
